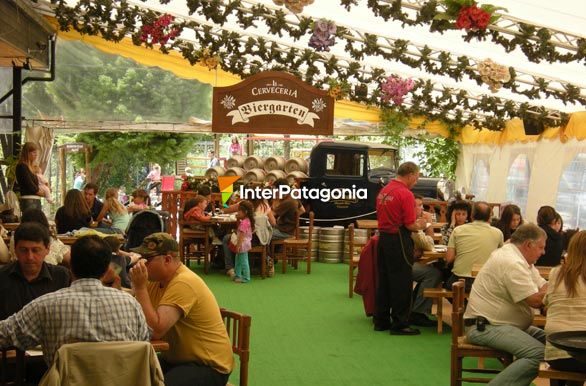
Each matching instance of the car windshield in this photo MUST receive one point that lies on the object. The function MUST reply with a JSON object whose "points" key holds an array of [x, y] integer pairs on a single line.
{"points": [[382, 158]]}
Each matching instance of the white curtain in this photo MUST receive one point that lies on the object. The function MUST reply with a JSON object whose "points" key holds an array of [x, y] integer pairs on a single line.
{"points": [[547, 160], [44, 138]]}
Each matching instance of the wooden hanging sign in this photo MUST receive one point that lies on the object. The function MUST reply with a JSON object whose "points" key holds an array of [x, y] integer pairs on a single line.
{"points": [[272, 102]]}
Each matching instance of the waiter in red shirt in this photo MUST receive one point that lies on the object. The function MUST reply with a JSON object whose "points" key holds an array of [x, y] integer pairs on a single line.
{"points": [[395, 206]]}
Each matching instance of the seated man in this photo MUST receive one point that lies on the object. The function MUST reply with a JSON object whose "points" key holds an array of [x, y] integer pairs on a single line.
{"points": [[471, 244], [29, 277], [85, 312], [286, 209], [499, 311], [90, 192], [425, 275], [179, 306]]}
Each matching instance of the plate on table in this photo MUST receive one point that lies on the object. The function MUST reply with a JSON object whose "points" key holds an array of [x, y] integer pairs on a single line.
{"points": [[441, 248]]}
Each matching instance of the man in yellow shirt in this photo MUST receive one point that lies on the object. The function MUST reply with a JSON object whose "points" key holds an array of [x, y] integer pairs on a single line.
{"points": [[181, 309]]}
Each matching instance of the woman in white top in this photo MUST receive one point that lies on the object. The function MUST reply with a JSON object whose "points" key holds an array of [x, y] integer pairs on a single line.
{"points": [[566, 303]]}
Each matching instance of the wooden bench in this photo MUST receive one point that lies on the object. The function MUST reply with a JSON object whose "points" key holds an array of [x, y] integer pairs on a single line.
{"points": [[555, 375]]}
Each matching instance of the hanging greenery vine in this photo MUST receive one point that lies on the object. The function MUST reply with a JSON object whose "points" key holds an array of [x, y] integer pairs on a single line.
{"points": [[248, 56], [533, 41]]}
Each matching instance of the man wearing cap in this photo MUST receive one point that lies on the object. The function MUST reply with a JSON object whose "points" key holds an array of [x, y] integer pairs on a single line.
{"points": [[180, 308]]}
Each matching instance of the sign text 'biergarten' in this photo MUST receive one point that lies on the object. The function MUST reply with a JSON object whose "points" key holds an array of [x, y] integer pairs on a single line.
{"points": [[272, 103]]}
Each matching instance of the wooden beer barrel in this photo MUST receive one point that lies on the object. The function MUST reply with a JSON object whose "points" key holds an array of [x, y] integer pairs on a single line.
{"points": [[236, 161], [235, 171], [274, 175], [214, 172], [296, 164], [274, 163], [253, 162], [254, 175]]}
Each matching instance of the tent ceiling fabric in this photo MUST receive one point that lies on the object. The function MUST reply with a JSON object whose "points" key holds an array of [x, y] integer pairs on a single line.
{"points": [[566, 21]]}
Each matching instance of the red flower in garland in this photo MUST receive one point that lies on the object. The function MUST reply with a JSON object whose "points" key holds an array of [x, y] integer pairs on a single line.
{"points": [[472, 18], [158, 31]]}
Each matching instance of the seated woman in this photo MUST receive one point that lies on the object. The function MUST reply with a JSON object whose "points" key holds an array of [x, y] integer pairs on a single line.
{"points": [[459, 213], [551, 222], [510, 220], [566, 304], [140, 201], [118, 213], [74, 214], [59, 253]]}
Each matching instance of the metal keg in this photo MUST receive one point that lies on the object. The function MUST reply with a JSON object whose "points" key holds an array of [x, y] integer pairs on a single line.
{"points": [[331, 244], [214, 172], [274, 163], [253, 162], [254, 175], [236, 161], [291, 177], [360, 237], [296, 164], [274, 175], [235, 171]]}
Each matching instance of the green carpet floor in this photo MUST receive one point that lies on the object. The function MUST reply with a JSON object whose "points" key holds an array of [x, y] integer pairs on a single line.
{"points": [[306, 331]]}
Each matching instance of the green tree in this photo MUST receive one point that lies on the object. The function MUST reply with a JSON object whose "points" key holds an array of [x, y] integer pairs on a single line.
{"points": [[91, 86]]}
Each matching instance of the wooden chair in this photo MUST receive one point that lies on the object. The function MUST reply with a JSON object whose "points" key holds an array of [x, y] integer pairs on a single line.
{"points": [[276, 256], [292, 245], [13, 355], [352, 260], [261, 251], [438, 294], [199, 237], [557, 377], [461, 349], [238, 327]]}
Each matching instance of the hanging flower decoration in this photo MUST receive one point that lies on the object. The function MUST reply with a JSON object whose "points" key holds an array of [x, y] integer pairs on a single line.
{"points": [[394, 89], [189, 183], [207, 59], [493, 74], [295, 6], [159, 31], [468, 15], [323, 37], [338, 89]]}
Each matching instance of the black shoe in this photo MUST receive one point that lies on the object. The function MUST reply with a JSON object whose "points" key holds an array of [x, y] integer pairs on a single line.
{"points": [[421, 320], [405, 331], [382, 327]]}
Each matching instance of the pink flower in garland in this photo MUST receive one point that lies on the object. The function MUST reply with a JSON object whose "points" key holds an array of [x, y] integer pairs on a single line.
{"points": [[395, 88], [159, 32], [323, 37], [472, 18]]}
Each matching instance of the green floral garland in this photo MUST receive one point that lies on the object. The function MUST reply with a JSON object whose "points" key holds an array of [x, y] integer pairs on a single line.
{"points": [[94, 17], [535, 51]]}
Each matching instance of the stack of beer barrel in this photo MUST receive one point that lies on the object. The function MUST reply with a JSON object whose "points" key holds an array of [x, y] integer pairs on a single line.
{"points": [[258, 170]]}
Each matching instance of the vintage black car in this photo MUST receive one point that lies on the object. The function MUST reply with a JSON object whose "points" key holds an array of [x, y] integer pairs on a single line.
{"points": [[359, 170]]}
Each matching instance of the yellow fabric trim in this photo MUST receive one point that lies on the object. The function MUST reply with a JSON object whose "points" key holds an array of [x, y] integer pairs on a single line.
{"points": [[176, 64]]}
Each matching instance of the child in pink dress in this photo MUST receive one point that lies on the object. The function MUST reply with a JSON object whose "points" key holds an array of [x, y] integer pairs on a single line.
{"points": [[245, 226]]}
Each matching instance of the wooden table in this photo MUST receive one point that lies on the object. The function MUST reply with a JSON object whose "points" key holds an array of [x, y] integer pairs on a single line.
{"points": [[543, 271], [160, 345], [431, 256]]}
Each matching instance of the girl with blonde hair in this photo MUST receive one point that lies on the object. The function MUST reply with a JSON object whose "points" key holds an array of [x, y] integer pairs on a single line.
{"points": [[118, 213], [566, 303]]}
